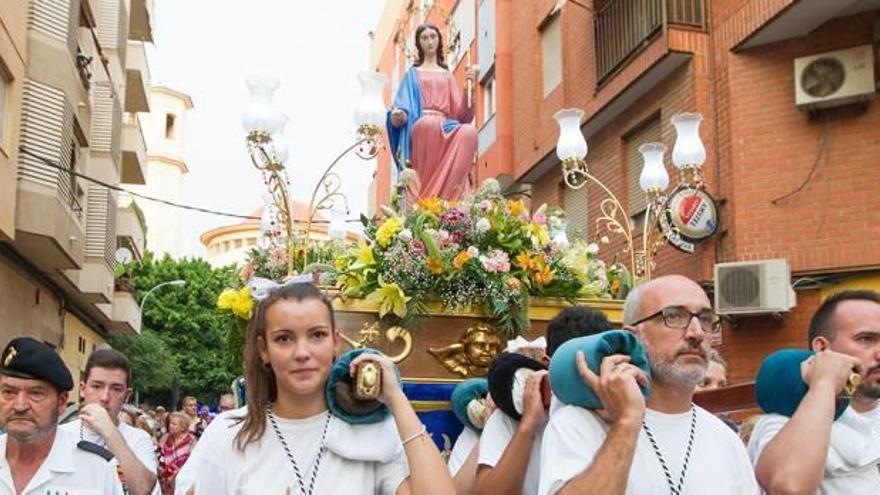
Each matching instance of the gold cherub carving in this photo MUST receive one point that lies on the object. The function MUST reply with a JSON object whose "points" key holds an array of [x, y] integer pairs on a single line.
{"points": [[472, 354]]}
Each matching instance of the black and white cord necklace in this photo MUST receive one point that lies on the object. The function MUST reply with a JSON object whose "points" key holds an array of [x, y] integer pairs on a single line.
{"points": [[673, 488], [321, 448]]}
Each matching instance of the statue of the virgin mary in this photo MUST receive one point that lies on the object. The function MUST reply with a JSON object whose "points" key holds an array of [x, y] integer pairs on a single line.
{"points": [[429, 124]]}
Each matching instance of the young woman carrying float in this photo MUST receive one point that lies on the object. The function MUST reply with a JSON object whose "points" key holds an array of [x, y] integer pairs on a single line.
{"points": [[287, 440]]}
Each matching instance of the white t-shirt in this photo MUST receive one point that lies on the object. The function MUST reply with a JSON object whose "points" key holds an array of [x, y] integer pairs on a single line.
{"points": [[359, 459], [137, 440], [853, 463], [67, 469], [497, 435], [464, 444], [718, 463]]}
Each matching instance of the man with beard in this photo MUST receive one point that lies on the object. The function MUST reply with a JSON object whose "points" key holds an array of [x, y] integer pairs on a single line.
{"points": [[664, 444], [38, 457], [843, 456], [106, 387]]}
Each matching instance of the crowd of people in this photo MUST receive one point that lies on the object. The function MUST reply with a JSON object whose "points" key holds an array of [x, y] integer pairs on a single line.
{"points": [[637, 431]]}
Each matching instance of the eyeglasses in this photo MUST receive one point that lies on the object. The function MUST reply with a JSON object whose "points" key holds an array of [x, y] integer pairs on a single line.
{"points": [[679, 317]]}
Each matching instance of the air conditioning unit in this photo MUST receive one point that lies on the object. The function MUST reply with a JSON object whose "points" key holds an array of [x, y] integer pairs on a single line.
{"points": [[753, 287], [835, 78]]}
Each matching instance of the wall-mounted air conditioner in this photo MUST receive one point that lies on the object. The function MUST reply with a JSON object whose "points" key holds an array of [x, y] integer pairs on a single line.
{"points": [[835, 78], [753, 287]]}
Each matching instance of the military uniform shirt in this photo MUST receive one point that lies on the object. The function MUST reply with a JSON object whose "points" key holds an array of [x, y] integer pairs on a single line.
{"points": [[66, 470]]}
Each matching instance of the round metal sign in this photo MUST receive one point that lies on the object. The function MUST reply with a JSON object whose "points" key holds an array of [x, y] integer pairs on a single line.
{"points": [[691, 217]]}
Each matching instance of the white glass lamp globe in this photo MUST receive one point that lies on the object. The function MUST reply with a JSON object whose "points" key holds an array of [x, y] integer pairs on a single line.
{"points": [[654, 174], [571, 144], [688, 149]]}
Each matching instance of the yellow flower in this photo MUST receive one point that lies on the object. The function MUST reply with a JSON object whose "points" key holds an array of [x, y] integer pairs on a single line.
{"points": [[340, 262], [460, 259], [351, 282], [391, 299], [433, 205], [517, 207], [434, 265], [513, 283], [388, 230], [538, 234], [364, 255], [238, 301], [543, 276], [524, 261]]}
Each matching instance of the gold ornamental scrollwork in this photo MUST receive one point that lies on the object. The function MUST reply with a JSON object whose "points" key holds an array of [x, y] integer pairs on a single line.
{"points": [[371, 331], [472, 354]]}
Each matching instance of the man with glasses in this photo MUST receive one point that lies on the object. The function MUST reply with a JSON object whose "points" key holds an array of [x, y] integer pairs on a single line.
{"points": [[37, 456], [662, 444], [841, 456], [106, 387]]}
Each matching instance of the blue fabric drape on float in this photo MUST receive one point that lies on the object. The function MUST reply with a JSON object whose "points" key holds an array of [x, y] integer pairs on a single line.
{"points": [[440, 421]]}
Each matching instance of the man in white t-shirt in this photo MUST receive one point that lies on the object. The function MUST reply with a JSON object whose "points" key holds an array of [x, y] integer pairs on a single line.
{"points": [[106, 387], [833, 457], [665, 444], [509, 459]]}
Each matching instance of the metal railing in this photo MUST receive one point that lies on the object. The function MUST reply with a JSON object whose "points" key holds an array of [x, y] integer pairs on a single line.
{"points": [[625, 27]]}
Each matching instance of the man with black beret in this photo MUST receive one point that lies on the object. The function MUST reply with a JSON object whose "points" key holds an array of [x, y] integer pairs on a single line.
{"points": [[38, 457]]}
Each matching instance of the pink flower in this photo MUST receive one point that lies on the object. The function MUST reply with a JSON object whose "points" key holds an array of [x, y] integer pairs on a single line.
{"points": [[539, 218], [278, 255], [484, 205], [496, 262], [247, 271]]}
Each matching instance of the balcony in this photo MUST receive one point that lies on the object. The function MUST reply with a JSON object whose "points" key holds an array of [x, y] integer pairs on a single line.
{"points": [[803, 17], [140, 27], [626, 27], [137, 78], [131, 228], [134, 152], [126, 314]]}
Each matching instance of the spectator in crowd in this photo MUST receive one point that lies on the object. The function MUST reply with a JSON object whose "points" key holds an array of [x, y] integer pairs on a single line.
{"points": [[510, 451], [664, 444], [716, 373], [38, 456], [128, 415], [174, 450], [839, 456], [144, 422], [227, 403], [197, 424], [105, 421], [161, 417]]}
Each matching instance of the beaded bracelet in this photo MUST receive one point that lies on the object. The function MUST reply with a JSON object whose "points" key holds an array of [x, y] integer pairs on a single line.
{"points": [[415, 435]]}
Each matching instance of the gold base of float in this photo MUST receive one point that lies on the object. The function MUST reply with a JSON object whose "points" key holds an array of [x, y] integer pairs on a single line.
{"points": [[442, 345]]}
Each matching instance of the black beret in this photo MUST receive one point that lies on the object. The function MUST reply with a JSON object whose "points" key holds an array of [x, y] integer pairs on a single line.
{"points": [[25, 357], [500, 379]]}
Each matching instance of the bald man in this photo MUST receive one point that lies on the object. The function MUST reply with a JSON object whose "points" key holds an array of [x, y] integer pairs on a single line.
{"points": [[662, 444]]}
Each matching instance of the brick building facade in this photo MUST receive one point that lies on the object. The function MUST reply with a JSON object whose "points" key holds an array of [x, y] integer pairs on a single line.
{"points": [[790, 184]]}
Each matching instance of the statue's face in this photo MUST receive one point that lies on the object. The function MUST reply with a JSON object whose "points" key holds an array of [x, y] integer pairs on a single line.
{"points": [[481, 347]]}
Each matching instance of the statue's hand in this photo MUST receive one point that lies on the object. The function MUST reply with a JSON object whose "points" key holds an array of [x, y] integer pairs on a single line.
{"points": [[398, 117]]}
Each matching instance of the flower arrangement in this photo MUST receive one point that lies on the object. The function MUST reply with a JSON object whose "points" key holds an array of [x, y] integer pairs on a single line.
{"points": [[483, 250]]}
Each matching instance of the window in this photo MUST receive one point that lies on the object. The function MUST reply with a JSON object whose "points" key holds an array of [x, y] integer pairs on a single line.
{"points": [[225, 246], [647, 133], [4, 91], [238, 243], [461, 31], [81, 345], [170, 121], [551, 54], [489, 98]]}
